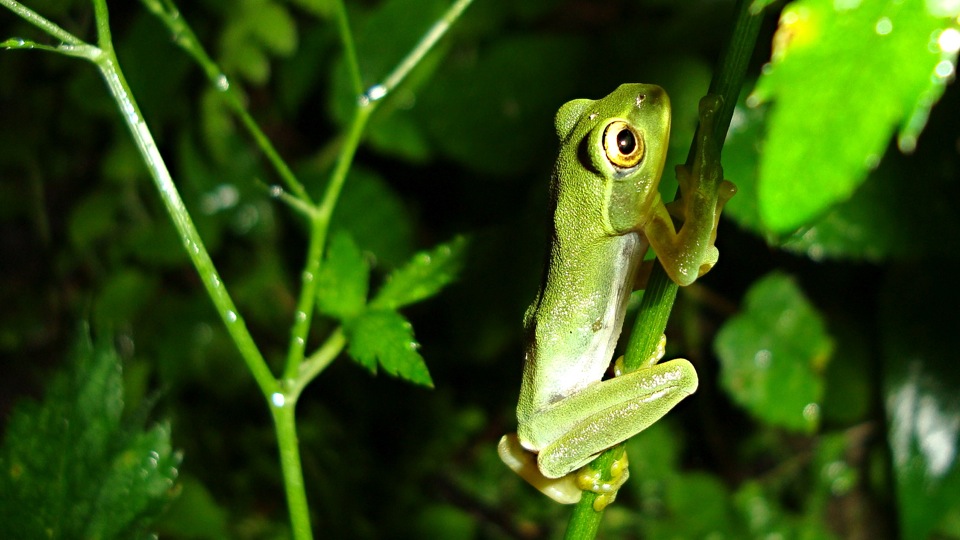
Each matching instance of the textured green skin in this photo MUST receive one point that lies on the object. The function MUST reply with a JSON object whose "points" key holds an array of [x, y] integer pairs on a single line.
{"points": [[603, 221]]}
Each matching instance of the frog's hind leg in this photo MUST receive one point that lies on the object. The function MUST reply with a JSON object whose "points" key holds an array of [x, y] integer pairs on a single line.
{"points": [[610, 412], [564, 490]]}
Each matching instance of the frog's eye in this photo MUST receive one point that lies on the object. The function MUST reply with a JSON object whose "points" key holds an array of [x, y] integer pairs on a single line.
{"points": [[622, 144]]}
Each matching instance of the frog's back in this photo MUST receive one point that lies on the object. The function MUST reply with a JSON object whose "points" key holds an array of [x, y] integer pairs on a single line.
{"points": [[574, 325]]}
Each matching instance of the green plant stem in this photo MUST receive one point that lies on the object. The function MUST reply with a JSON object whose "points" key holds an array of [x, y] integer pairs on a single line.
{"points": [[303, 317], [298, 373], [106, 62], [367, 104], [659, 296], [584, 521], [285, 424], [349, 51], [47, 26], [319, 360], [427, 42], [184, 37], [319, 225]]}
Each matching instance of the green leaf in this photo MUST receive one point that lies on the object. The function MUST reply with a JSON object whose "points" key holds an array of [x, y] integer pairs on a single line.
{"points": [[195, 514], [386, 338], [343, 280], [773, 355], [889, 216], [122, 296], [320, 8], [741, 157], [766, 517], [920, 379], [499, 106], [243, 56], [423, 276], [93, 219], [446, 521], [675, 504], [71, 468], [216, 121], [254, 30], [829, 53], [376, 217], [396, 133], [273, 26]]}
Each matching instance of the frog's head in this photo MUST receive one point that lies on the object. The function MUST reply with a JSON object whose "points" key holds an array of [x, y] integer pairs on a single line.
{"points": [[622, 140]]}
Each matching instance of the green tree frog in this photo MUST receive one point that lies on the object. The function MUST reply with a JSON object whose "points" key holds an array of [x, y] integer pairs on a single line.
{"points": [[607, 211]]}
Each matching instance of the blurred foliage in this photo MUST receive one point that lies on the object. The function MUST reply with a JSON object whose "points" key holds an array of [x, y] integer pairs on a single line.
{"points": [[834, 260], [74, 467]]}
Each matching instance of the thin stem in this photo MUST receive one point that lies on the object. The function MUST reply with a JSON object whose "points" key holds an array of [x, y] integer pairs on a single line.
{"points": [[349, 52], [366, 105], [183, 35], [104, 38], [42, 23], [344, 161], [303, 317], [319, 360], [584, 521], [110, 69], [319, 224], [653, 314], [285, 424], [429, 39], [661, 291]]}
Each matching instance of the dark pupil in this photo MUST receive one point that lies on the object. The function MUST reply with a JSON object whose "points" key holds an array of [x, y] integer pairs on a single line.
{"points": [[626, 142]]}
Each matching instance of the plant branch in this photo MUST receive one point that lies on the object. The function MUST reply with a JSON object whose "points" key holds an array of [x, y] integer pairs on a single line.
{"points": [[303, 317], [427, 42], [319, 360], [661, 292], [42, 23], [107, 63], [349, 51], [367, 103], [285, 423], [184, 37]]}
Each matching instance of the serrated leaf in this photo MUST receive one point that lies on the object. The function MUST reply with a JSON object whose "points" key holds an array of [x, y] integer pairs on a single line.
{"points": [[773, 355], [69, 467], [385, 338], [142, 472], [343, 280], [423, 276], [833, 116]]}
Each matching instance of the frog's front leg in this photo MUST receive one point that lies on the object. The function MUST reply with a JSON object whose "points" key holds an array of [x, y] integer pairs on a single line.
{"points": [[690, 252]]}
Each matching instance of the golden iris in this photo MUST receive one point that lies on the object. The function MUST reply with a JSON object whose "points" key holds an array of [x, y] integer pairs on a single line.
{"points": [[623, 144]]}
